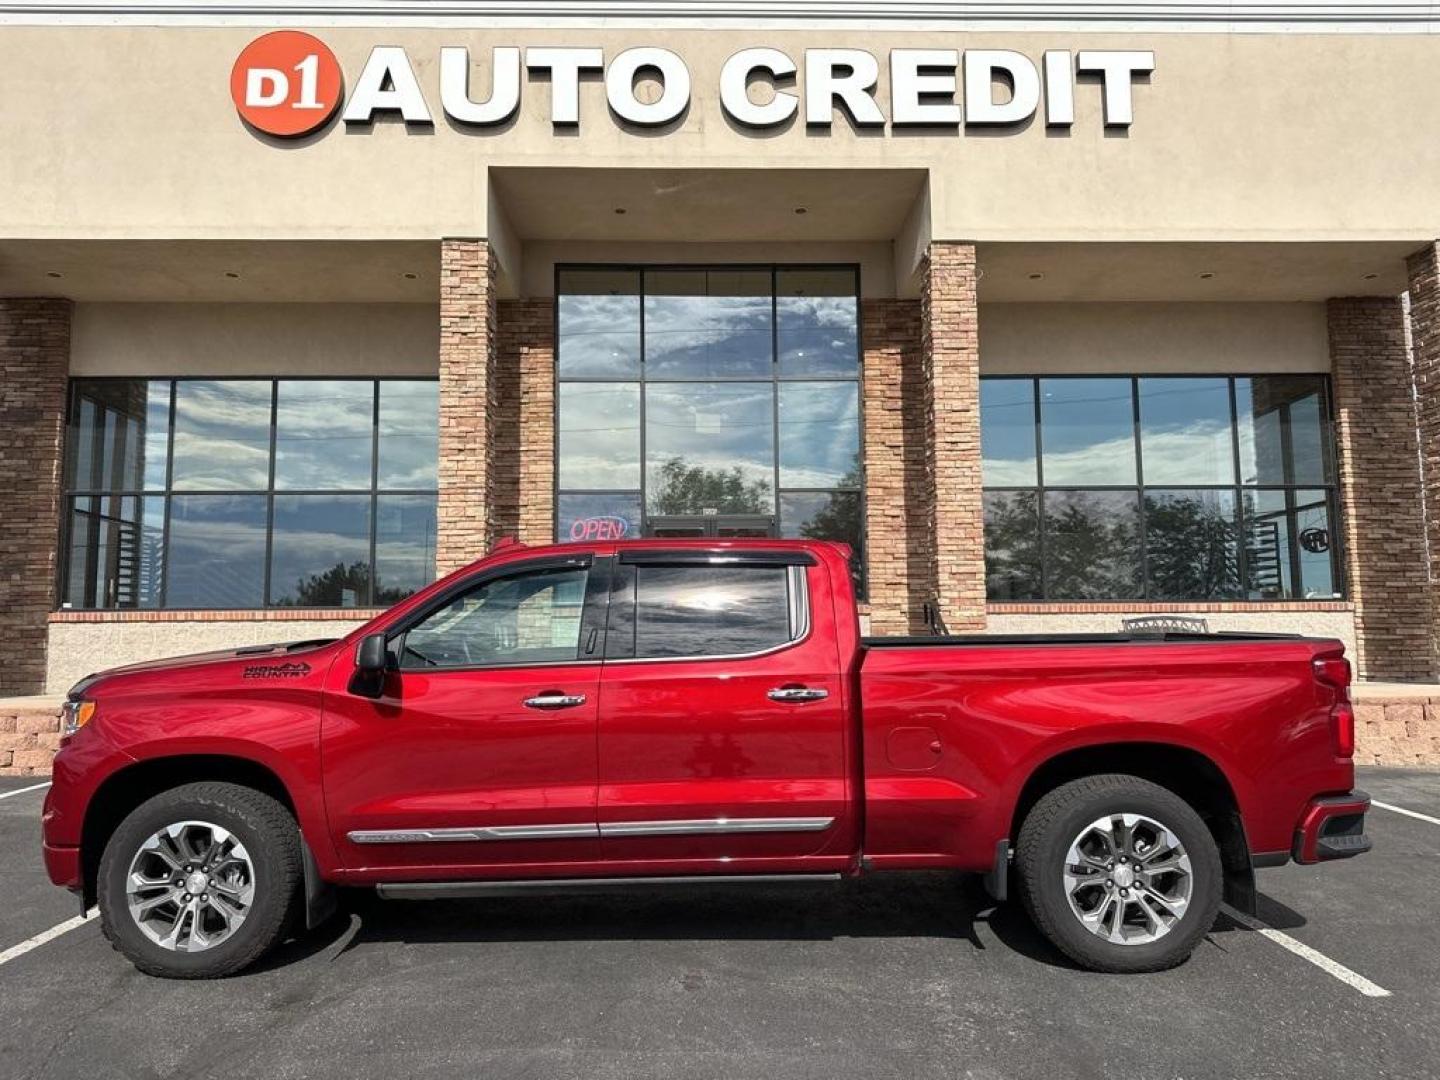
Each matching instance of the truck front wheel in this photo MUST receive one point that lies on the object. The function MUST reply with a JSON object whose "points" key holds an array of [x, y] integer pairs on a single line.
{"points": [[201, 881], [1119, 873]]}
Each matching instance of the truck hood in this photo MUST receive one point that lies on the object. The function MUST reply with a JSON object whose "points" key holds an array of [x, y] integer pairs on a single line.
{"points": [[175, 663]]}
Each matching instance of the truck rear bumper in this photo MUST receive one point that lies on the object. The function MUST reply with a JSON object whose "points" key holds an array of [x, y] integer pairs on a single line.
{"points": [[1332, 827]]}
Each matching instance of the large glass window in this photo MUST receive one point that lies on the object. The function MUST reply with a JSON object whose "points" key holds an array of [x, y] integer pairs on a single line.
{"points": [[1159, 488], [709, 391], [246, 493]]}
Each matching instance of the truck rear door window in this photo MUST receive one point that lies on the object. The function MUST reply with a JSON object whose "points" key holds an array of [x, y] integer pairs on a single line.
{"points": [[693, 611]]}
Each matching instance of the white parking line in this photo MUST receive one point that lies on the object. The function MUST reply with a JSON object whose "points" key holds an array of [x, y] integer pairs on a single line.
{"points": [[1407, 813], [22, 790], [17, 951], [1305, 952]]}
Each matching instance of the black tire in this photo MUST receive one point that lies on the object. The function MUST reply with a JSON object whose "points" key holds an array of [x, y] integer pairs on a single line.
{"points": [[271, 839], [1054, 824]]}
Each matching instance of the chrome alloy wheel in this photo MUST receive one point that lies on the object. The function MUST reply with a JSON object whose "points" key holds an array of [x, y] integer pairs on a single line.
{"points": [[1128, 879], [190, 886]]}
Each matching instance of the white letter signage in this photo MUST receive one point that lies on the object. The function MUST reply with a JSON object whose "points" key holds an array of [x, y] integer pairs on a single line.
{"points": [[735, 87]]}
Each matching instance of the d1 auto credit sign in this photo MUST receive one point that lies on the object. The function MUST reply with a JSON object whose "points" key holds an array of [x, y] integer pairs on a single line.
{"points": [[287, 83]]}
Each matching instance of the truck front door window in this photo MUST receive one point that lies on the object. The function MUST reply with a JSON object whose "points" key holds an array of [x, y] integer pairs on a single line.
{"points": [[529, 618]]}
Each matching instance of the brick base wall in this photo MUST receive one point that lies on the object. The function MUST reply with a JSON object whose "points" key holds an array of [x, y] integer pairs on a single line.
{"points": [[1397, 731], [1380, 488], [34, 364], [29, 737]]}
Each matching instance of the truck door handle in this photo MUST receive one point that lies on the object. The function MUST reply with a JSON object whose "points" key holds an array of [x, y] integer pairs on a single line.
{"points": [[797, 693], [553, 699]]}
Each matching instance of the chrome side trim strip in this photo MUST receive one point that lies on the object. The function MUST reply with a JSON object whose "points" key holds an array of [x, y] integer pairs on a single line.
{"points": [[440, 890], [713, 826], [471, 834], [688, 827]]}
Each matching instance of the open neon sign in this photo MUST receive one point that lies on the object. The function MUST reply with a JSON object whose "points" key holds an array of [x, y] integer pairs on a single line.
{"points": [[599, 528]]}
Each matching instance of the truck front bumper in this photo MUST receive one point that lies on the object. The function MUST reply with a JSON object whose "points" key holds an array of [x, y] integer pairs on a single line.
{"points": [[1332, 827]]}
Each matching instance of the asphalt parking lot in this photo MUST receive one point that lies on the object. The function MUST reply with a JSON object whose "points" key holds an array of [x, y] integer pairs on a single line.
{"points": [[891, 977]]}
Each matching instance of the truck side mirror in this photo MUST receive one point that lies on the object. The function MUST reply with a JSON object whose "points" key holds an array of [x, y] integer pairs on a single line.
{"points": [[372, 661]]}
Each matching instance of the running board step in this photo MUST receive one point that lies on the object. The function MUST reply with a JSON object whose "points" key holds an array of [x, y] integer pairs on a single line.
{"points": [[458, 890]]}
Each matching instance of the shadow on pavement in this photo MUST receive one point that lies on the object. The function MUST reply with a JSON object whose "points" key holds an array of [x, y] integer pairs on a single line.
{"points": [[903, 905]]}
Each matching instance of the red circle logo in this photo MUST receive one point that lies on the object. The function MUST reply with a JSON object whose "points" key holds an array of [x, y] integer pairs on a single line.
{"points": [[286, 83]]}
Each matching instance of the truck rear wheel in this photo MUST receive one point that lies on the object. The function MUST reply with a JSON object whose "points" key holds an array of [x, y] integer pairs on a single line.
{"points": [[201, 881], [1119, 873]]}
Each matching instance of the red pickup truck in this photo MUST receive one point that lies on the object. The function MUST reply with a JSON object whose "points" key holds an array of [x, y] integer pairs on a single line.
{"points": [[661, 712]]}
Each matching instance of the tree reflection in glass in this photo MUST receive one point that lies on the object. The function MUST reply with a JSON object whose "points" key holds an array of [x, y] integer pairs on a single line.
{"points": [[1092, 545], [1012, 545], [320, 552], [709, 440], [1192, 545], [679, 488]]}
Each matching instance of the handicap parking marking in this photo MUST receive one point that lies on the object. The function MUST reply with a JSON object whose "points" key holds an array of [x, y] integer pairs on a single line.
{"points": [[1350, 978], [32, 943], [23, 790], [1408, 813]]}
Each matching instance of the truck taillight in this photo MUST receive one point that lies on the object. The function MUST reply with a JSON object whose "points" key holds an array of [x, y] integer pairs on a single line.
{"points": [[1342, 728], [1334, 672]]}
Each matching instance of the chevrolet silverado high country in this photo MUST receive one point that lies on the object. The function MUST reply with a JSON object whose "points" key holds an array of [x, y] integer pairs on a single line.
{"points": [[656, 712]]}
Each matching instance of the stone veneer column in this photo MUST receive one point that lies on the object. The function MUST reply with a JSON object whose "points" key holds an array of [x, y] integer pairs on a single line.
{"points": [[524, 493], [950, 364], [34, 364], [465, 523], [1380, 489], [898, 539], [1424, 266]]}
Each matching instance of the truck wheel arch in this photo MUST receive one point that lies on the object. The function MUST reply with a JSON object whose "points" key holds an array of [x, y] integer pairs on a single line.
{"points": [[125, 789], [1189, 773]]}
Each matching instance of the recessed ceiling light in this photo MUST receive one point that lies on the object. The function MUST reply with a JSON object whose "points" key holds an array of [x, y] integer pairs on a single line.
{"points": [[231, 274], [1371, 276], [1036, 277], [410, 275], [620, 209], [1206, 275], [53, 273], [801, 210]]}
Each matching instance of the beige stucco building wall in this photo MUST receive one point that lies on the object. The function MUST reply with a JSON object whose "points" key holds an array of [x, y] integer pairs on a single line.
{"points": [[129, 132], [80, 649], [1326, 624], [1152, 338], [254, 339]]}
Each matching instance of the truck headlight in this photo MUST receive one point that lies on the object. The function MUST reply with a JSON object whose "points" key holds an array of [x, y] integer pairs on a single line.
{"points": [[74, 715]]}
